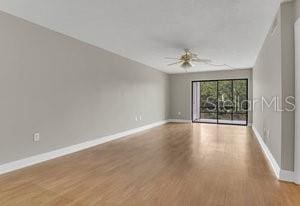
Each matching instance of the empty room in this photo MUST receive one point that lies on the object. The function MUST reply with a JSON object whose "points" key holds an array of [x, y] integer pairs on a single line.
{"points": [[169, 103]]}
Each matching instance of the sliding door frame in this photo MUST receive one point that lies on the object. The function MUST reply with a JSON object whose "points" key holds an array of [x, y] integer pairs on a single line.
{"points": [[217, 120]]}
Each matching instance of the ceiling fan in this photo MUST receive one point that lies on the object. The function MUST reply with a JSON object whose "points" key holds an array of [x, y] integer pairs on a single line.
{"points": [[188, 58]]}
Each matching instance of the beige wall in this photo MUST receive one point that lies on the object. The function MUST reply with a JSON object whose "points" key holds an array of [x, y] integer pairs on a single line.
{"points": [[68, 91], [181, 89], [273, 75]]}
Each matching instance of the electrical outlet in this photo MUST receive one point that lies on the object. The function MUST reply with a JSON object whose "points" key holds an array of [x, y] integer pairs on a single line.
{"points": [[36, 137], [179, 113], [140, 117], [136, 118]]}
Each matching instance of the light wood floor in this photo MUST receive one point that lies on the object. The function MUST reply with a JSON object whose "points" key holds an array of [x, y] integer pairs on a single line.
{"points": [[174, 164]]}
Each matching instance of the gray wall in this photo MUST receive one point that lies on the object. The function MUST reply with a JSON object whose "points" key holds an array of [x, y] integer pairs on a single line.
{"points": [[68, 91], [288, 84], [273, 75], [267, 84], [181, 89], [297, 9]]}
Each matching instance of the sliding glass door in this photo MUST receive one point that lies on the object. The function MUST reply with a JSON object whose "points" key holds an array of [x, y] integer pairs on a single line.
{"points": [[220, 101]]}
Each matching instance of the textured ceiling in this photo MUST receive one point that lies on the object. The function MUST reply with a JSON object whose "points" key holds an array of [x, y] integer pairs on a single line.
{"points": [[226, 31]]}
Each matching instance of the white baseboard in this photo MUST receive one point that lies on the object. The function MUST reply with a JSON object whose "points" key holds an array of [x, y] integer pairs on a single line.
{"points": [[281, 174], [286, 175], [180, 120], [15, 165], [267, 152]]}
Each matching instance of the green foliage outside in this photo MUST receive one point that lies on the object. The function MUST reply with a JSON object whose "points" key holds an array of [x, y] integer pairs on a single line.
{"points": [[229, 96]]}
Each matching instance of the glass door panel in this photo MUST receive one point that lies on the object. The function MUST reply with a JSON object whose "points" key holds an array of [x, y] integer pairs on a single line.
{"points": [[208, 101], [220, 101], [225, 97], [240, 93]]}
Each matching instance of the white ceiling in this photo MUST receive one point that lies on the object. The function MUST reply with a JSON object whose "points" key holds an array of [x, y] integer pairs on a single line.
{"points": [[226, 31]]}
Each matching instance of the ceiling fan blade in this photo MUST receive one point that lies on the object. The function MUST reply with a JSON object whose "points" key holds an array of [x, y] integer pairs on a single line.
{"points": [[219, 65], [172, 58], [175, 63], [201, 60]]}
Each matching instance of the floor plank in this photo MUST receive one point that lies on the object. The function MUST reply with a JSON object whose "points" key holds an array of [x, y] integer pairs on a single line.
{"points": [[174, 164]]}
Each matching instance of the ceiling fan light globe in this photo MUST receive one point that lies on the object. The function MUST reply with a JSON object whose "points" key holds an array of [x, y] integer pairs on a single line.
{"points": [[186, 65]]}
